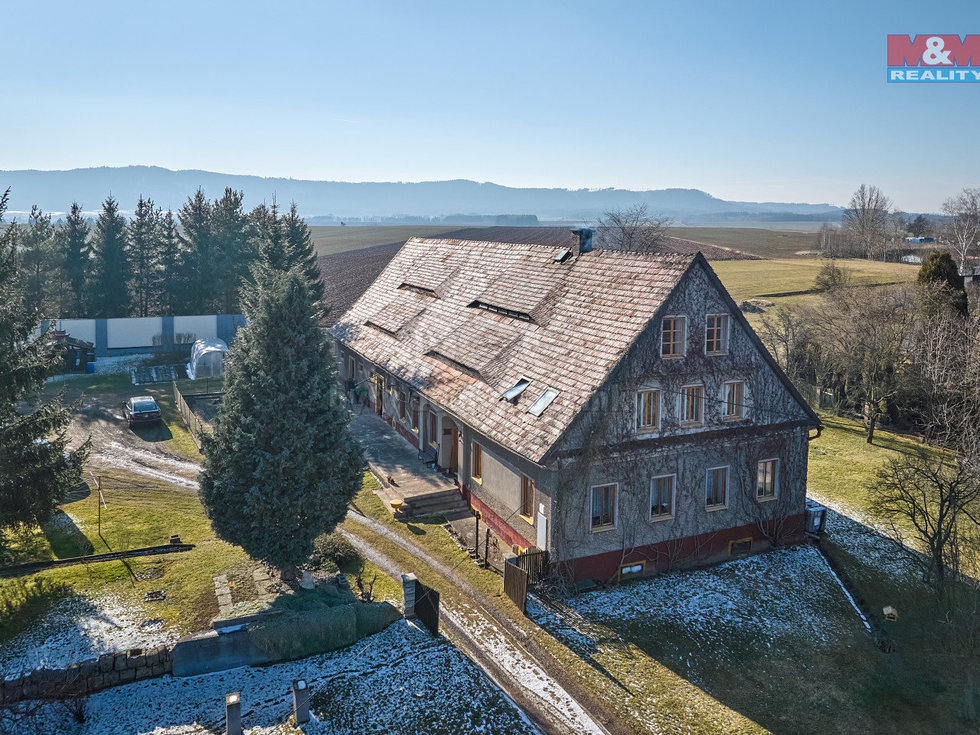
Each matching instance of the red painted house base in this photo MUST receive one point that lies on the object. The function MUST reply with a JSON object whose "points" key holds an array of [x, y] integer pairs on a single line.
{"points": [[692, 551], [410, 435], [496, 523]]}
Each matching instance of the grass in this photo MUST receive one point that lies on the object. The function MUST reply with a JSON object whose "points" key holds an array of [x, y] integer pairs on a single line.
{"points": [[24, 600], [842, 464], [746, 279], [330, 239], [673, 699]]}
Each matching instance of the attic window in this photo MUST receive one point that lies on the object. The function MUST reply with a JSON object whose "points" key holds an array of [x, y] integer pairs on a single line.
{"points": [[523, 316], [563, 255], [543, 402], [375, 325], [513, 393], [419, 290]]}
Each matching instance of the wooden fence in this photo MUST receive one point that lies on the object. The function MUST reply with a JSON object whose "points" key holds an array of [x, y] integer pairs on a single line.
{"points": [[515, 584]]}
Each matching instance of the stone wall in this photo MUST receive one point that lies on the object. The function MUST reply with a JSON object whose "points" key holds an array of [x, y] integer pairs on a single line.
{"points": [[90, 676]]}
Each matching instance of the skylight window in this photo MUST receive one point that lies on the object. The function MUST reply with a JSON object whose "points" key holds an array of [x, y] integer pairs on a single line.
{"points": [[563, 255], [513, 393], [543, 402], [512, 313]]}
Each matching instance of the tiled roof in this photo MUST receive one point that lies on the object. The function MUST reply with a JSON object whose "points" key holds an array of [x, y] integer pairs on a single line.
{"points": [[433, 319]]}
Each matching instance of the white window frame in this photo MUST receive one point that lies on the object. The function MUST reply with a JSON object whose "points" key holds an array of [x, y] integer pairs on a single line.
{"points": [[724, 402], [681, 400], [727, 335], [683, 352], [673, 496], [708, 479], [615, 506], [639, 410], [775, 480]]}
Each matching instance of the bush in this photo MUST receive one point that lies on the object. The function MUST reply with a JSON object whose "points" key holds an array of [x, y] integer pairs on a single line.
{"points": [[334, 548], [24, 600], [831, 277]]}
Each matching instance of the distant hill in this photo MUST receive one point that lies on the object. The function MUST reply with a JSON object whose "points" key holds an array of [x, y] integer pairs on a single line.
{"points": [[54, 191]]}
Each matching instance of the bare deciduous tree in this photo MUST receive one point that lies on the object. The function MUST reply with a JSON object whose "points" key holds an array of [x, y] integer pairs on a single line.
{"points": [[862, 335], [867, 220], [930, 499], [633, 228], [962, 228]]}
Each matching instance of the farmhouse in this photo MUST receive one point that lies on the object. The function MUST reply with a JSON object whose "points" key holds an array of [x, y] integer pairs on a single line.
{"points": [[611, 407]]}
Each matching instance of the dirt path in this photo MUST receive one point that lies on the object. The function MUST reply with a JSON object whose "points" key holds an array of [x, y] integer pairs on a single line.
{"points": [[545, 703], [504, 650], [138, 451]]}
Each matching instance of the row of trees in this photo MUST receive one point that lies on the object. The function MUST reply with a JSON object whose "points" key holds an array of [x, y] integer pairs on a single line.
{"points": [[872, 228], [157, 263]]}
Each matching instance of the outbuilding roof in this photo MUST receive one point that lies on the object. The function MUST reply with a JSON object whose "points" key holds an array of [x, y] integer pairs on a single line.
{"points": [[465, 322]]}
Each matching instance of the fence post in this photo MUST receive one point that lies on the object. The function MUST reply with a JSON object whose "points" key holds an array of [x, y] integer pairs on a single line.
{"points": [[408, 593], [301, 701], [233, 713]]}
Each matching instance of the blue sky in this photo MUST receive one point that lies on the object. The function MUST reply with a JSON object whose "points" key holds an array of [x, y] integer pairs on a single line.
{"points": [[756, 101]]}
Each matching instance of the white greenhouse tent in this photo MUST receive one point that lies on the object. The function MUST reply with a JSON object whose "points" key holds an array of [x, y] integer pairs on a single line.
{"points": [[207, 359]]}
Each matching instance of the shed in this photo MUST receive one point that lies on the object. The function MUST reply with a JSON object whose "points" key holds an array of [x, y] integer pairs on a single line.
{"points": [[207, 359]]}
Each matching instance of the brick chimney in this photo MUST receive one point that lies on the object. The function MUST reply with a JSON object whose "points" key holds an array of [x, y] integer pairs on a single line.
{"points": [[584, 235]]}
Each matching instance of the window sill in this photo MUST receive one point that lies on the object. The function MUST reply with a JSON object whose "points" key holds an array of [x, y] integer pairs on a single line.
{"points": [[766, 499], [477, 480], [603, 529], [527, 519], [671, 357], [732, 419], [661, 519], [716, 354], [691, 424], [713, 508], [648, 431]]}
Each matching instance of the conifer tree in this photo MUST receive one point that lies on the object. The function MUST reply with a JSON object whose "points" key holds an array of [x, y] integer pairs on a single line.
{"points": [[38, 262], [197, 238], [76, 261], [282, 466], [299, 250], [34, 473], [109, 292], [233, 248], [170, 286], [144, 257], [270, 233]]}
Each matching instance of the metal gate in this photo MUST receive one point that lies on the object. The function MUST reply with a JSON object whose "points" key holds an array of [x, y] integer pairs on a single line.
{"points": [[515, 584], [427, 607]]}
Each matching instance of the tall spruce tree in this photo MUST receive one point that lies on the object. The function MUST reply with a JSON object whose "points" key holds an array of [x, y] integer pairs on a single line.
{"points": [[197, 237], [299, 250], [109, 292], [234, 250], [39, 262], [270, 233], [76, 261], [144, 257], [170, 287], [282, 466], [34, 473]]}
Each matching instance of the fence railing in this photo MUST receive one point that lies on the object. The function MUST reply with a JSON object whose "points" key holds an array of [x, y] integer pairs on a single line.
{"points": [[192, 421]]}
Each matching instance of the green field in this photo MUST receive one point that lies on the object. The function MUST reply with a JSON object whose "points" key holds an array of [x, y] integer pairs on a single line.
{"points": [[746, 279]]}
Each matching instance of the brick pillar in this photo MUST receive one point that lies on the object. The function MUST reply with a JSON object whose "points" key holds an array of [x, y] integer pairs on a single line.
{"points": [[408, 593]]}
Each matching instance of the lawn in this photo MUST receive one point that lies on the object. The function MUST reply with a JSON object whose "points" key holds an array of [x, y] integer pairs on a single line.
{"points": [[746, 279]]}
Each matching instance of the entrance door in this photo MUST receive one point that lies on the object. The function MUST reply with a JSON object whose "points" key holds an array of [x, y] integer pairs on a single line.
{"points": [[379, 391]]}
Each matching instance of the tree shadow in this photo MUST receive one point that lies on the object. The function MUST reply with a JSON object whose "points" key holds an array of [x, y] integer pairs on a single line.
{"points": [[65, 537], [776, 623]]}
